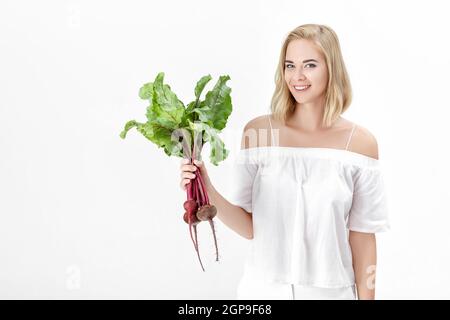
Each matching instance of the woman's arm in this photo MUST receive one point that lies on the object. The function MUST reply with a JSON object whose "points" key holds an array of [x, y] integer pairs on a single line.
{"points": [[232, 216], [364, 255]]}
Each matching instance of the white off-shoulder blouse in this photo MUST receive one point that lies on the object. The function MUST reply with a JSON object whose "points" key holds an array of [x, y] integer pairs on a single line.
{"points": [[303, 201]]}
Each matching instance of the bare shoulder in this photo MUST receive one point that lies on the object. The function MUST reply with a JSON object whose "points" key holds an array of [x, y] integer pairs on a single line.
{"points": [[255, 132], [260, 122], [364, 142]]}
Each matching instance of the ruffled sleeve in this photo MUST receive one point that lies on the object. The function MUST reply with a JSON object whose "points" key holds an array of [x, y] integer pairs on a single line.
{"points": [[244, 171], [369, 210]]}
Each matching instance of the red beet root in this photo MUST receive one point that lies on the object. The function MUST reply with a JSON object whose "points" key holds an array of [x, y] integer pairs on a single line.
{"points": [[197, 209], [190, 206], [194, 218], [206, 212]]}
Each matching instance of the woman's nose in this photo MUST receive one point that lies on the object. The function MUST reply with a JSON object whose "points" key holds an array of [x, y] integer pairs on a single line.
{"points": [[300, 75]]}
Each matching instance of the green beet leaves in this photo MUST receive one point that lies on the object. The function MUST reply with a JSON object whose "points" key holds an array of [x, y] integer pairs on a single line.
{"points": [[172, 126]]}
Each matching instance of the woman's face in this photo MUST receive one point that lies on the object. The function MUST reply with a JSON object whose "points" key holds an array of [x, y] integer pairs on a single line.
{"points": [[305, 65]]}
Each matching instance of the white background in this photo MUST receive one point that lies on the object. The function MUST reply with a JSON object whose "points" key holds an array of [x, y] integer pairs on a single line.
{"points": [[85, 214]]}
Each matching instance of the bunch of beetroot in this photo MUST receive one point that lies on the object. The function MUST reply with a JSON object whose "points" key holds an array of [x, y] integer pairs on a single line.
{"points": [[199, 209], [172, 125]]}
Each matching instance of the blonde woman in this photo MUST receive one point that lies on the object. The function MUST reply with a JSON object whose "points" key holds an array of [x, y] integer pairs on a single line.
{"points": [[309, 190]]}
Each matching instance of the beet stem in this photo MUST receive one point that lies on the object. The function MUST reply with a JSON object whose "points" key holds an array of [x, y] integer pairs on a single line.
{"points": [[202, 184], [202, 194], [204, 199], [189, 190], [197, 193]]}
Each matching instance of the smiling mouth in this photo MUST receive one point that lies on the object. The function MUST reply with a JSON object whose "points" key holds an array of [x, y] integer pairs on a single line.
{"points": [[301, 88]]}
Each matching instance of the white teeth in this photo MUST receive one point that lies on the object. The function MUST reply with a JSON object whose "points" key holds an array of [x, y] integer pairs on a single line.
{"points": [[301, 88]]}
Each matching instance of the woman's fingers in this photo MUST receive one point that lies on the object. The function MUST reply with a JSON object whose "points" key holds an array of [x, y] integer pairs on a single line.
{"points": [[185, 165], [183, 183], [188, 167], [187, 175], [188, 171]]}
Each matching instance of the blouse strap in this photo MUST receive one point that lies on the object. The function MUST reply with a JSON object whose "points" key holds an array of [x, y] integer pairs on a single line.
{"points": [[271, 133], [350, 137]]}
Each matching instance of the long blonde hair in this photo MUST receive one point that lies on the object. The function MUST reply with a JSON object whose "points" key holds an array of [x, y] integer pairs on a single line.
{"points": [[338, 92]]}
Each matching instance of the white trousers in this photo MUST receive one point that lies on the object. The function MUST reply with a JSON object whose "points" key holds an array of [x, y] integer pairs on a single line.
{"points": [[253, 289]]}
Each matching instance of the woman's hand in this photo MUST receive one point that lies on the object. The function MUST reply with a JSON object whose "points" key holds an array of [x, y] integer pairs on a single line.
{"points": [[188, 172]]}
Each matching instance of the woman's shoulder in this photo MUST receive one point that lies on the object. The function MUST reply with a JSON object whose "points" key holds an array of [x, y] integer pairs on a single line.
{"points": [[363, 142], [259, 122], [256, 132]]}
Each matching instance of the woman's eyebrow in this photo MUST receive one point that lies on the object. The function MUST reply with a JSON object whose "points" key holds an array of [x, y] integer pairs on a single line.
{"points": [[307, 60]]}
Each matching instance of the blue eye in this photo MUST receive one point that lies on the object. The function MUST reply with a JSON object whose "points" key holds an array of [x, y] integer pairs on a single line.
{"points": [[309, 64]]}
